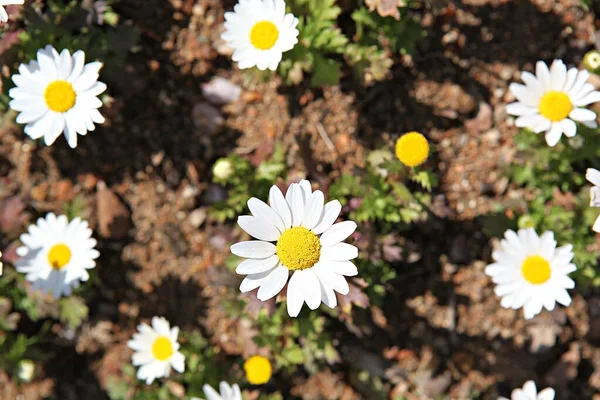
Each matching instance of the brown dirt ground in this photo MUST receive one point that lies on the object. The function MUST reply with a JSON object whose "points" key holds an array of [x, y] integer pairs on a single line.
{"points": [[441, 329]]}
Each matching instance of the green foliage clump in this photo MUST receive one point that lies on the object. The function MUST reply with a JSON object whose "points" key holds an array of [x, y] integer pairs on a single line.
{"points": [[384, 194], [366, 42], [296, 341], [558, 193]]}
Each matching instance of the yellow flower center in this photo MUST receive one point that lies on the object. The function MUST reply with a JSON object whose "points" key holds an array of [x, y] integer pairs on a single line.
{"points": [[536, 270], [258, 370], [412, 149], [555, 106], [60, 96], [162, 349], [59, 256], [264, 35], [298, 248]]}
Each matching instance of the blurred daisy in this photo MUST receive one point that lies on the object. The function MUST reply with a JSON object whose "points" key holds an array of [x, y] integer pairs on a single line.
{"points": [[3, 13], [296, 234], [57, 94], [531, 272], [227, 392], [593, 175], [56, 254], [258, 370], [412, 149], [529, 392], [260, 32], [553, 100], [156, 350]]}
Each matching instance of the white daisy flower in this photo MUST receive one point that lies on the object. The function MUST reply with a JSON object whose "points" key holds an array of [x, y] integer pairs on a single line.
{"points": [[260, 32], [531, 272], [3, 13], [57, 93], [227, 392], [529, 392], [156, 350], [593, 175], [296, 234], [56, 254], [553, 100]]}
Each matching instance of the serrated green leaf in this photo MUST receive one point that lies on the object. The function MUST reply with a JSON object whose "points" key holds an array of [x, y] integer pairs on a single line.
{"points": [[73, 311], [326, 71], [293, 354]]}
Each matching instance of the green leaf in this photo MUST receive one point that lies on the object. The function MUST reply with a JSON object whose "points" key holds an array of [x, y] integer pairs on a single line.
{"points": [[117, 389], [326, 71], [293, 354], [73, 311]]}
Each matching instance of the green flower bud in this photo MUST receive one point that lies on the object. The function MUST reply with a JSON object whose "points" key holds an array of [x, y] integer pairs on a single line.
{"points": [[591, 61]]}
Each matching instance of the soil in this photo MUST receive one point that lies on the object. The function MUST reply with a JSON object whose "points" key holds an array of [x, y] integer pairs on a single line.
{"points": [[144, 178]]}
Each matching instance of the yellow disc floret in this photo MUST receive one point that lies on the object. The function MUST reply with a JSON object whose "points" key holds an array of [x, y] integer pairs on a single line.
{"points": [[264, 35], [59, 256], [298, 248], [412, 149], [60, 96], [536, 270], [555, 106], [258, 370], [162, 349]]}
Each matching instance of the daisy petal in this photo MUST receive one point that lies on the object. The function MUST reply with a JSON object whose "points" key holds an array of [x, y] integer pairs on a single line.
{"points": [[278, 203], [273, 284], [262, 211], [258, 228], [331, 211], [569, 127], [338, 233], [581, 114], [253, 249], [593, 175], [554, 134], [313, 210]]}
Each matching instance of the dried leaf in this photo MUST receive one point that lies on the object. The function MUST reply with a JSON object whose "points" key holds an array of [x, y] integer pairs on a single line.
{"points": [[94, 338], [355, 296], [386, 8], [482, 121], [114, 218], [12, 217], [325, 385], [254, 305], [566, 369]]}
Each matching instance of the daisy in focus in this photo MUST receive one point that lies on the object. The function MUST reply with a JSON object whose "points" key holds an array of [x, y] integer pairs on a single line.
{"points": [[58, 93], [531, 272], [227, 392], [3, 13], [412, 149], [156, 350], [296, 235], [258, 370], [529, 392], [56, 254], [260, 32], [593, 176], [552, 100]]}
